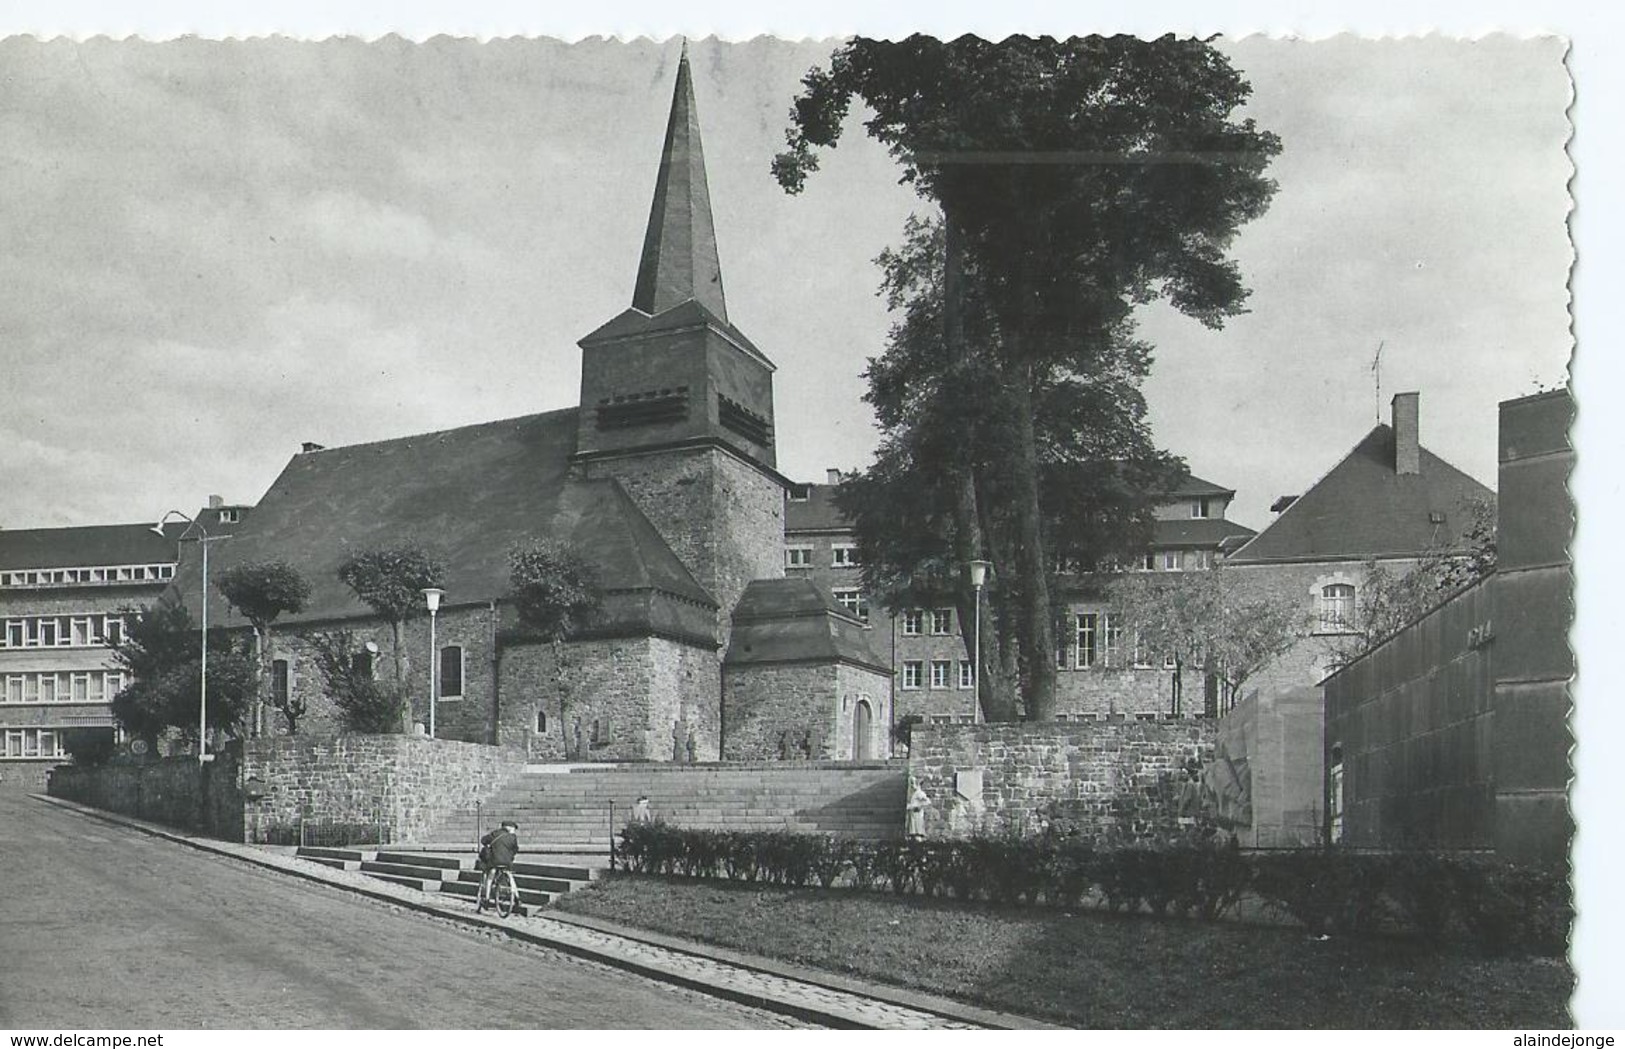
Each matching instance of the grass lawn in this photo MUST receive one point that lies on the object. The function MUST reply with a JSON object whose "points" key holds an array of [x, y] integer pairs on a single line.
{"points": [[1092, 969]]}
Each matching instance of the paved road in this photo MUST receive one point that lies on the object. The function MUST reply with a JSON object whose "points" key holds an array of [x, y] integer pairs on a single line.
{"points": [[101, 926]]}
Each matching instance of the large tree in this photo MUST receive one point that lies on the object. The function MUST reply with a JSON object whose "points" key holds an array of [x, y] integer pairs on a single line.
{"points": [[160, 651], [1077, 179], [262, 592], [391, 583]]}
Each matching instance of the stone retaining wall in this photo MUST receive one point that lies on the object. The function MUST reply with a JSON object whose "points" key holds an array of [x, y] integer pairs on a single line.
{"points": [[1110, 778], [175, 791], [388, 789]]}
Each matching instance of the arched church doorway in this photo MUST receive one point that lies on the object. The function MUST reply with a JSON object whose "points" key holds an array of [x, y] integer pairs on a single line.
{"points": [[863, 718]]}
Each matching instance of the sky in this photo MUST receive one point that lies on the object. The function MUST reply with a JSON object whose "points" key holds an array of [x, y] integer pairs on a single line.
{"points": [[215, 251]]}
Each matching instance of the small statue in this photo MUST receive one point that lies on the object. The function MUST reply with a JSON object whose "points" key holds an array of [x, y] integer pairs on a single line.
{"points": [[679, 741], [691, 744], [806, 745]]}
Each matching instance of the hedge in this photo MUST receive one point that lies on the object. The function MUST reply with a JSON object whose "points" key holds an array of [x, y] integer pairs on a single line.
{"points": [[1436, 897]]}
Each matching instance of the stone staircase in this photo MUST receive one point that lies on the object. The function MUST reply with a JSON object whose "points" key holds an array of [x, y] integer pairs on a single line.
{"points": [[568, 809], [539, 883]]}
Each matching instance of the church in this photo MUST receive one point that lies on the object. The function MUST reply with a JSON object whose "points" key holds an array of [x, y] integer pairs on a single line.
{"points": [[663, 478]]}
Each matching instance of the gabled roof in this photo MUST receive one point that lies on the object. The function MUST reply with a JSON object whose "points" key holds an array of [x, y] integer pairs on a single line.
{"points": [[792, 621], [467, 497], [1197, 531], [1363, 509], [88, 546]]}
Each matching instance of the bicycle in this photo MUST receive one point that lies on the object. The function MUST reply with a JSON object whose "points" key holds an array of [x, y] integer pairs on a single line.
{"points": [[497, 889]]}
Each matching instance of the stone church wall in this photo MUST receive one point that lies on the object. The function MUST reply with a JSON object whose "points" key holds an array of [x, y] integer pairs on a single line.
{"points": [[802, 710]]}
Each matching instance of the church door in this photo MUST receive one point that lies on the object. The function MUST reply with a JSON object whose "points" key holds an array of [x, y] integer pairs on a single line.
{"points": [[863, 748]]}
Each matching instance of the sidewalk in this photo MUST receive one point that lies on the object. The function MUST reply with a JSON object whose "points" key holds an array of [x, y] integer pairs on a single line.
{"points": [[810, 995]]}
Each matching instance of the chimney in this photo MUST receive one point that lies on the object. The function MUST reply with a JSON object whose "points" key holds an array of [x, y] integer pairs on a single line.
{"points": [[1282, 503], [216, 502], [832, 476], [1407, 444], [311, 446]]}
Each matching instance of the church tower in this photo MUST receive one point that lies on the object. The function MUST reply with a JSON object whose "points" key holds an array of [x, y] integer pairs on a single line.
{"points": [[676, 403]]}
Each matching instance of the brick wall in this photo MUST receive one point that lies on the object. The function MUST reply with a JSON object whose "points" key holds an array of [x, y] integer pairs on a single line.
{"points": [[26, 777], [401, 785], [1093, 769], [174, 791], [638, 690]]}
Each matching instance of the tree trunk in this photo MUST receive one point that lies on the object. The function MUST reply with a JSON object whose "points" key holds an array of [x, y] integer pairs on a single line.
{"points": [[256, 724], [1032, 567]]}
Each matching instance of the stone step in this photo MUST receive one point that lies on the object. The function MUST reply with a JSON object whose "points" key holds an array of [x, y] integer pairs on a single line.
{"points": [[471, 891], [524, 881], [424, 859], [341, 865], [407, 870], [316, 852]]}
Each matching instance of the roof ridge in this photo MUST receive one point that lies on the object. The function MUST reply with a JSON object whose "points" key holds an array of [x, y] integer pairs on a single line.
{"points": [[1241, 551], [435, 433]]}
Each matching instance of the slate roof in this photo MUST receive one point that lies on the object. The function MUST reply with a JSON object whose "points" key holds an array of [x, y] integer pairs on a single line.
{"points": [[792, 621], [1195, 486], [1362, 509], [466, 496], [816, 513], [1197, 531], [88, 546]]}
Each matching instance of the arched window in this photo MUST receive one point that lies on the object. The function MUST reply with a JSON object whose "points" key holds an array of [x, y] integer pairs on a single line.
{"points": [[1337, 607], [541, 721]]}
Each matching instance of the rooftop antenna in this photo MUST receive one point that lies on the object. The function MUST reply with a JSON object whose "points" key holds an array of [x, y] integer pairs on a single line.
{"points": [[1376, 376]]}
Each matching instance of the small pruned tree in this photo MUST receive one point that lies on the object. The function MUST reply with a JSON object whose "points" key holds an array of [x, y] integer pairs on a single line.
{"points": [[364, 703], [391, 583], [160, 653], [557, 594], [1208, 620], [261, 592]]}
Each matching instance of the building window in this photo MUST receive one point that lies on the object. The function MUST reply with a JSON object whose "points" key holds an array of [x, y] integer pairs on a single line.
{"points": [[912, 669], [1084, 653], [1149, 561], [451, 672], [1334, 801], [967, 674], [541, 721], [228, 517], [913, 622], [799, 493], [1202, 558], [843, 555], [280, 682], [1114, 640], [942, 621], [798, 556], [852, 601], [1201, 507], [32, 743], [1337, 607], [939, 672], [1170, 560]]}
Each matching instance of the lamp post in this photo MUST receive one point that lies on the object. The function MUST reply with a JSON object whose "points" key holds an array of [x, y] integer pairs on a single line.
{"points": [[203, 541], [978, 579], [432, 596]]}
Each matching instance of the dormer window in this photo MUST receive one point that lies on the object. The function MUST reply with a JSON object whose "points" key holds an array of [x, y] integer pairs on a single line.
{"points": [[800, 493], [230, 516], [1201, 507]]}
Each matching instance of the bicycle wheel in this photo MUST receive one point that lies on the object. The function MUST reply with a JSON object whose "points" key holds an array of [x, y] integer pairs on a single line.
{"points": [[506, 893], [483, 897]]}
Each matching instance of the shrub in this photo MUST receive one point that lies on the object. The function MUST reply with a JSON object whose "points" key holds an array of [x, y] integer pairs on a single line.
{"points": [[89, 747]]}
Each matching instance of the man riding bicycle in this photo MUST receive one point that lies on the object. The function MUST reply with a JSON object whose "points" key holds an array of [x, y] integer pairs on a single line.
{"points": [[497, 852]]}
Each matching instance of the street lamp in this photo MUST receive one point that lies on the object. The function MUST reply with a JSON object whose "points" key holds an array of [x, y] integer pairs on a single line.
{"points": [[978, 579], [432, 596], [203, 541]]}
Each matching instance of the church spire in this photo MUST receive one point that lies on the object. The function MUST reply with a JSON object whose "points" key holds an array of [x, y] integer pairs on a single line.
{"points": [[680, 248]]}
